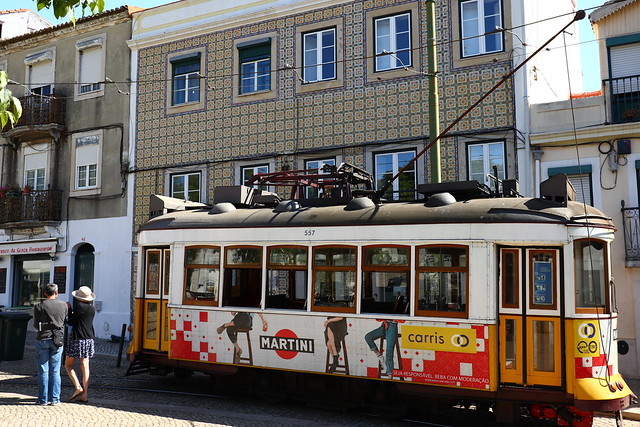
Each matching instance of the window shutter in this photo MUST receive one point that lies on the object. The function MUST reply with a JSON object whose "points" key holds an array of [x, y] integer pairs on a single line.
{"points": [[582, 185], [90, 65], [35, 161], [625, 60], [41, 74]]}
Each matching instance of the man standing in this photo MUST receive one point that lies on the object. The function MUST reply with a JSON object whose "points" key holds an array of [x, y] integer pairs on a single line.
{"points": [[48, 319]]}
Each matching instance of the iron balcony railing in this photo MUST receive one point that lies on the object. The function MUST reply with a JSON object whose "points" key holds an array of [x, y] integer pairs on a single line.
{"points": [[36, 206], [624, 98], [41, 110], [631, 233]]}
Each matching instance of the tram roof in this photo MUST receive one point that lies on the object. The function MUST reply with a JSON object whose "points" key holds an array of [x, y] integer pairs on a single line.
{"points": [[493, 210]]}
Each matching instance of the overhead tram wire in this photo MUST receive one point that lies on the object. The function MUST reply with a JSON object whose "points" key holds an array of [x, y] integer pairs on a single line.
{"points": [[577, 17]]}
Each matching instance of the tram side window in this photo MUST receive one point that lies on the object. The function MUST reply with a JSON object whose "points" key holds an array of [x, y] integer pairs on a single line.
{"points": [[385, 277], [334, 279], [591, 274], [201, 275], [442, 280], [242, 286], [287, 277]]}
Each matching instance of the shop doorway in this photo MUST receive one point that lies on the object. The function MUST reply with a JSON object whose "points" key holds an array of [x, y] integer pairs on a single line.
{"points": [[31, 273]]}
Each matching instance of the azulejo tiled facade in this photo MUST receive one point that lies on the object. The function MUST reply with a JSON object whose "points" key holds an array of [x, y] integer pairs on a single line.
{"points": [[353, 117]]}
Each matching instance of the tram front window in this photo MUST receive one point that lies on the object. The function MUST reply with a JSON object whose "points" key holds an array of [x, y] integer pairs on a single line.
{"points": [[591, 272], [334, 279], [287, 278], [442, 280], [385, 278]]}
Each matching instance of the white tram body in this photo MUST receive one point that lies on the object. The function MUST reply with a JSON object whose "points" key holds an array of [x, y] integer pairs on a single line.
{"points": [[498, 299]]}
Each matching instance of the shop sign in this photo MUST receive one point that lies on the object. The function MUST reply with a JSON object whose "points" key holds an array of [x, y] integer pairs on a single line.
{"points": [[28, 247]]}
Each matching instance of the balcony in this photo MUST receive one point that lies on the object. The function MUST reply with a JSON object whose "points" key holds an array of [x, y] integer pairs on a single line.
{"points": [[35, 207], [42, 116], [631, 233], [623, 98]]}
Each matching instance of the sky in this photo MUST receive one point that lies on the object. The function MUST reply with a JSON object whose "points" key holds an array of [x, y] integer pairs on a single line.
{"points": [[588, 46]]}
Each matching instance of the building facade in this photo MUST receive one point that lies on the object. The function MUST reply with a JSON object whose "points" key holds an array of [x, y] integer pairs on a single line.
{"points": [[63, 201], [595, 141], [16, 22]]}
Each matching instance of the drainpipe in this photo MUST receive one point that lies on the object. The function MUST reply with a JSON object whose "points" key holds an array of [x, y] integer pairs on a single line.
{"points": [[537, 156], [434, 114]]}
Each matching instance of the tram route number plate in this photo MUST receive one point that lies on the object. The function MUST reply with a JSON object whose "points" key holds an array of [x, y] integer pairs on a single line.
{"points": [[587, 338]]}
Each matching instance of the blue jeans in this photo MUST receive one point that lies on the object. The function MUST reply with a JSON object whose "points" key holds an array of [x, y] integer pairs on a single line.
{"points": [[49, 357], [390, 334]]}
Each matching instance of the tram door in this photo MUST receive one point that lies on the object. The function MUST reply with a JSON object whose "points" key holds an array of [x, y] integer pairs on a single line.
{"points": [[529, 317], [156, 294]]}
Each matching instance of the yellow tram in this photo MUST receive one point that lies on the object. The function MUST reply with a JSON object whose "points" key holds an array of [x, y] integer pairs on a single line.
{"points": [[459, 296]]}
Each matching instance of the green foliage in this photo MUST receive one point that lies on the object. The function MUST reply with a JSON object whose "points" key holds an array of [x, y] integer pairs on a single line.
{"points": [[64, 8], [10, 107]]}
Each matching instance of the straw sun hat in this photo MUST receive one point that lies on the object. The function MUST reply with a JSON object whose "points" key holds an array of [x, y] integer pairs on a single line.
{"points": [[84, 294]]}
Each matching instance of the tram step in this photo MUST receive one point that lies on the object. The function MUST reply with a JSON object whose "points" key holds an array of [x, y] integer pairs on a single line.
{"points": [[136, 367]]}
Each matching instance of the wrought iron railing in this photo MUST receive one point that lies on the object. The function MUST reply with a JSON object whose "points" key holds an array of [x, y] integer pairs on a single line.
{"points": [[36, 206], [631, 233], [624, 98], [41, 110]]}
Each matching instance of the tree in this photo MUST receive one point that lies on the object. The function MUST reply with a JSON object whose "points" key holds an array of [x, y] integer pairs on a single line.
{"points": [[63, 8], [10, 107]]}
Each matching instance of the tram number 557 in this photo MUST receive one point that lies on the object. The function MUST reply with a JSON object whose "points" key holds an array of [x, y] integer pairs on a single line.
{"points": [[309, 233]]}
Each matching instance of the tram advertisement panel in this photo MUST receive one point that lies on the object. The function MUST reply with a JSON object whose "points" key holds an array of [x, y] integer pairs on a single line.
{"points": [[426, 352]]}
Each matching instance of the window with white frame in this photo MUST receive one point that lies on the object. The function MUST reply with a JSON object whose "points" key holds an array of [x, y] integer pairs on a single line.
{"points": [[316, 165], [580, 178], [478, 22], [319, 58], [249, 171], [40, 72], [87, 156], [255, 66], [387, 165], [393, 42], [185, 73], [482, 158], [90, 61], [35, 167], [186, 186]]}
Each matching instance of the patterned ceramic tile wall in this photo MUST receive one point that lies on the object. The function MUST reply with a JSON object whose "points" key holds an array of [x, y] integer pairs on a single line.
{"points": [[350, 117]]}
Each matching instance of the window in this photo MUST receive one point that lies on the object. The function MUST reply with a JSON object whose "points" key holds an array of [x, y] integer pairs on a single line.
{"points": [[624, 82], [317, 165], [483, 158], [86, 159], [393, 42], [40, 71], [250, 171], [542, 280], [580, 178], [479, 17], [287, 277], [387, 165], [90, 70], [255, 66], [185, 72], [186, 186], [443, 273], [243, 277], [319, 60], [334, 279], [35, 167], [87, 153], [591, 274], [201, 275], [385, 271]]}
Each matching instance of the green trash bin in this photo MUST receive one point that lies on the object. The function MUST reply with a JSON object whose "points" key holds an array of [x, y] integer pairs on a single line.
{"points": [[13, 333]]}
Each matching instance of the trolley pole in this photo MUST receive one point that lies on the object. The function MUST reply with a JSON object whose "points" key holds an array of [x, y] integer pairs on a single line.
{"points": [[434, 109]]}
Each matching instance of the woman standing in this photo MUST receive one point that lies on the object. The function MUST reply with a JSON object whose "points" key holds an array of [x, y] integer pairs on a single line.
{"points": [[81, 345]]}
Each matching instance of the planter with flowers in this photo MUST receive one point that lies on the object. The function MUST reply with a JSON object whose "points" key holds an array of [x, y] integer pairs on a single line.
{"points": [[14, 192], [3, 192], [27, 189]]}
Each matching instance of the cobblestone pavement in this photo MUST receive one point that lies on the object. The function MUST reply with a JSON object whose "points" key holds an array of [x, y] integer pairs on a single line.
{"points": [[148, 400]]}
